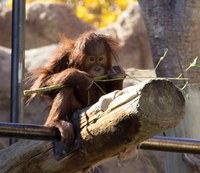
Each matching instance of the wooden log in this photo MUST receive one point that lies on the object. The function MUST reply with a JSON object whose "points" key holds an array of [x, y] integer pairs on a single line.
{"points": [[118, 121], [188, 128]]}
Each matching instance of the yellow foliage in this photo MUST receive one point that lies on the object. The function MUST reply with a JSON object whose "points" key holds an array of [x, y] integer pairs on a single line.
{"points": [[9, 2], [123, 4], [92, 3], [101, 12], [81, 11], [98, 12], [29, 1], [107, 19]]}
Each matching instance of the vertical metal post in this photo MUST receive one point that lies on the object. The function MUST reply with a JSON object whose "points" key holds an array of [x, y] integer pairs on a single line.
{"points": [[17, 63]]}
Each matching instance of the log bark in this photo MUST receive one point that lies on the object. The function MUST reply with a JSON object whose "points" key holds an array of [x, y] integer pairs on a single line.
{"points": [[119, 120]]}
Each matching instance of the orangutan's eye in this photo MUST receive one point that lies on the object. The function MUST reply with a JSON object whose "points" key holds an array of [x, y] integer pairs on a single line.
{"points": [[101, 58], [92, 58]]}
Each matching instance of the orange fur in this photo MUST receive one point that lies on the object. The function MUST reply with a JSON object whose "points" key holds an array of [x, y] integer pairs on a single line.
{"points": [[68, 67]]}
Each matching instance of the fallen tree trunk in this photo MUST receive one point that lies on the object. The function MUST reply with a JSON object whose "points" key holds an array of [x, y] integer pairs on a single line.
{"points": [[118, 121]]}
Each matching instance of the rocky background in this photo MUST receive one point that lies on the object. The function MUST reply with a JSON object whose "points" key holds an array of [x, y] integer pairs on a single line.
{"points": [[44, 23]]}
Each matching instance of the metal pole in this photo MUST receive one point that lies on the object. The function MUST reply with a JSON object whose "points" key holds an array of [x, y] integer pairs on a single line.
{"points": [[17, 64], [27, 131], [171, 144]]}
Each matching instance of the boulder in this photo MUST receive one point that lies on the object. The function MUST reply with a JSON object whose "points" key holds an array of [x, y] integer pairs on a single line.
{"points": [[5, 26], [131, 31], [5, 71], [45, 22]]}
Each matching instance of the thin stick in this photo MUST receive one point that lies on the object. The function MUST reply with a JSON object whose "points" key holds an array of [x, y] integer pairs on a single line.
{"points": [[184, 86], [107, 80], [97, 79], [145, 70], [193, 64], [161, 58], [50, 88], [43, 89], [133, 77], [100, 88]]}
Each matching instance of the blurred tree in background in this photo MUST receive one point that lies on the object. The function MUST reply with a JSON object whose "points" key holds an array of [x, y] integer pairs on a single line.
{"points": [[99, 13]]}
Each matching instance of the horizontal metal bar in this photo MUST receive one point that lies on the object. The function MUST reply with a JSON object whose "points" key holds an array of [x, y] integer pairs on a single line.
{"points": [[172, 144], [27, 131], [37, 132]]}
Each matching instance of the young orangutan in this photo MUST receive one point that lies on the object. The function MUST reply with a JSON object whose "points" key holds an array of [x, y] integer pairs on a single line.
{"points": [[74, 65]]}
